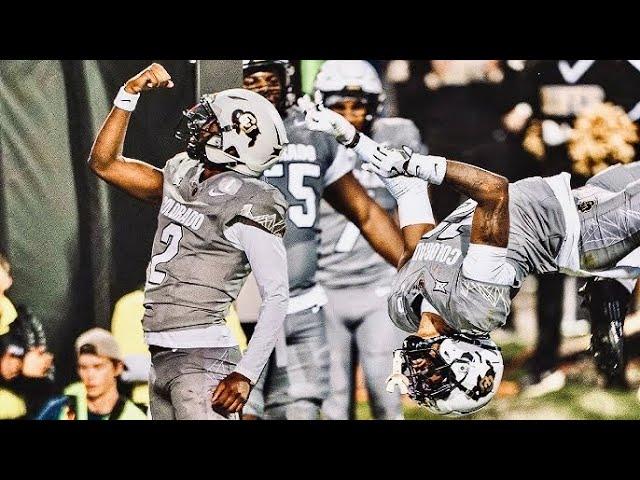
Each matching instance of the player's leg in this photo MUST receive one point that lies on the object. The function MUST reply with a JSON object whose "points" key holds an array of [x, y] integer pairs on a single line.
{"points": [[197, 373], [160, 405], [607, 300], [276, 386], [377, 338], [609, 224], [543, 375], [339, 338], [307, 364], [616, 177]]}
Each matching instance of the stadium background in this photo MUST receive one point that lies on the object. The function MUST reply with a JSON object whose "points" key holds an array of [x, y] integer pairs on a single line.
{"points": [[53, 213]]}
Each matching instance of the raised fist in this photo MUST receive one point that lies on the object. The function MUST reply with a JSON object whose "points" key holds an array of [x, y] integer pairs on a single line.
{"points": [[154, 76]]}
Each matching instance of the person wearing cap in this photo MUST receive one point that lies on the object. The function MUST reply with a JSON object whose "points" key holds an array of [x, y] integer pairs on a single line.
{"points": [[96, 396]]}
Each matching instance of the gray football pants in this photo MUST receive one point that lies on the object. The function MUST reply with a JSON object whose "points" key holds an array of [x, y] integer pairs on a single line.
{"points": [[358, 317], [295, 390], [182, 381], [609, 211]]}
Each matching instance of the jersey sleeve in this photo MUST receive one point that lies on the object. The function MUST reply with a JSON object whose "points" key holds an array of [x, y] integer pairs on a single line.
{"points": [[265, 209], [176, 167]]}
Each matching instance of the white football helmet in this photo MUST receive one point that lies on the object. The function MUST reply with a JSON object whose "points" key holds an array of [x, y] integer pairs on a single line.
{"points": [[236, 128], [449, 375], [339, 79]]}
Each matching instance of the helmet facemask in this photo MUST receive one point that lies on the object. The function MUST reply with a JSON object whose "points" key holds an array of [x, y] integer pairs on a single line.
{"points": [[198, 126], [429, 375]]}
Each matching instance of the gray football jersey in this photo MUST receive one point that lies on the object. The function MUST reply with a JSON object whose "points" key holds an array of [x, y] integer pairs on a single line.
{"points": [[435, 270], [346, 258], [195, 272], [300, 176]]}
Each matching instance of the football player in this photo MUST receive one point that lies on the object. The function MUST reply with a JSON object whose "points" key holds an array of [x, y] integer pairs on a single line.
{"points": [[216, 222], [357, 280], [296, 381], [457, 280]]}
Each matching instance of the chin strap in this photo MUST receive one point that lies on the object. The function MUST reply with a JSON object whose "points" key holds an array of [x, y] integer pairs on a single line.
{"points": [[397, 378]]}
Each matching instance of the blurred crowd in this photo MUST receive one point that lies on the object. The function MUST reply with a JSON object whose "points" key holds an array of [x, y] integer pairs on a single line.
{"points": [[514, 117]]}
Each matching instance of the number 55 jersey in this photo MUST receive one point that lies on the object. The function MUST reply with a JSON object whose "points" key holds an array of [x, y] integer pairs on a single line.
{"points": [[307, 165], [195, 272]]}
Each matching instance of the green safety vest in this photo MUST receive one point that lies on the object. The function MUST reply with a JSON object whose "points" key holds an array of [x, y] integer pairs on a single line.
{"points": [[77, 390]]}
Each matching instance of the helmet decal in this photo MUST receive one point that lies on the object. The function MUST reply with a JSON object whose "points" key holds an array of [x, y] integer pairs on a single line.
{"points": [[247, 123]]}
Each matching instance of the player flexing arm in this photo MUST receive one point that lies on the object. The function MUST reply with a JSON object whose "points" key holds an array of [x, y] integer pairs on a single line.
{"points": [[145, 182], [139, 179]]}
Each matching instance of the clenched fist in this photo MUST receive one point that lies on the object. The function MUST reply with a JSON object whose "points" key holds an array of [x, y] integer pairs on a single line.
{"points": [[154, 76], [231, 394]]}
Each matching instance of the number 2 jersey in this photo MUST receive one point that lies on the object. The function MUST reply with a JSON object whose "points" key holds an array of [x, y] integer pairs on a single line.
{"points": [[434, 273], [195, 272], [346, 258], [307, 165]]}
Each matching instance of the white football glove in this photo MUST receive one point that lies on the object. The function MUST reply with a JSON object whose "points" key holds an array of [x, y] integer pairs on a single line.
{"points": [[386, 162], [411, 192], [322, 119]]}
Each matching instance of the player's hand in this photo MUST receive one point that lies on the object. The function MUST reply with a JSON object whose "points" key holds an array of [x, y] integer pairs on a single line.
{"points": [[231, 394], [387, 162], [322, 119], [37, 362], [154, 76]]}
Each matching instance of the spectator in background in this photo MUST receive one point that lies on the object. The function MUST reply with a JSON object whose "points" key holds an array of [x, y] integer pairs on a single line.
{"points": [[96, 396], [25, 365], [555, 93], [7, 311], [126, 327]]}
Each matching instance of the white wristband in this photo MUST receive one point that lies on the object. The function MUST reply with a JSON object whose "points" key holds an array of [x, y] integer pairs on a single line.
{"points": [[125, 100], [415, 208], [427, 167]]}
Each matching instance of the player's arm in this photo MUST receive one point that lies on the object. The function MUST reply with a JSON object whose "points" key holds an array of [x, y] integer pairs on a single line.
{"points": [[138, 179], [349, 198], [491, 218], [491, 191], [268, 259], [486, 258]]}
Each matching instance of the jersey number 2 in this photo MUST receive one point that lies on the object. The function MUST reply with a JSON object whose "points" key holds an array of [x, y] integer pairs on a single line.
{"points": [[171, 236]]}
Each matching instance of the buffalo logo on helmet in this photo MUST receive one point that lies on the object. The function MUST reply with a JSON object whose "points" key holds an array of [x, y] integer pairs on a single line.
{"points": [[485, 383], [247, 123]]}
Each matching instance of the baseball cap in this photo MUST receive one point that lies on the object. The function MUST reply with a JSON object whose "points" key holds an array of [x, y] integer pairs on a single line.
{"points": [[99, 341]]}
